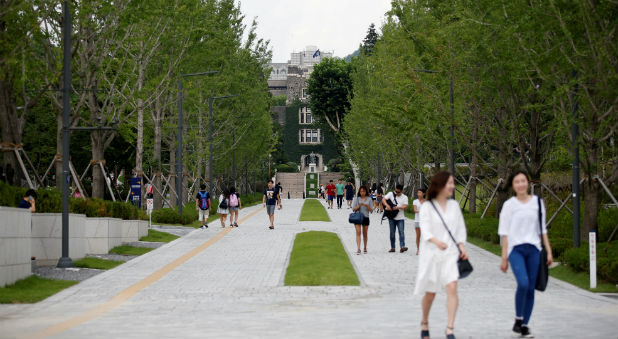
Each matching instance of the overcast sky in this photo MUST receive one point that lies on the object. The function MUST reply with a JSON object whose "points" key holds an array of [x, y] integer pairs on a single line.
{"points": [[331, 25]]}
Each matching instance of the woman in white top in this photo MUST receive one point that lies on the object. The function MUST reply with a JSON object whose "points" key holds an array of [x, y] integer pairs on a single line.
{"points": [[224, 211], [420, 193], [438, 256], [521, 246]]}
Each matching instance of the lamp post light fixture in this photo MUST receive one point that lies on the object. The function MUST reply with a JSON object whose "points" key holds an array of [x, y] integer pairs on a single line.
{"points": [[179, 176], [210, 138]]}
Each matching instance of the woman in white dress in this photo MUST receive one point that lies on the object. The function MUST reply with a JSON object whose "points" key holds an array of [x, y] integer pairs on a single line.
{"points": [[438, 255], [417, 203], [223, 212]]}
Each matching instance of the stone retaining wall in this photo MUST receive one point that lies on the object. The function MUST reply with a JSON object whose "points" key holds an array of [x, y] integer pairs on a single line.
{"points": [[15, 232]]}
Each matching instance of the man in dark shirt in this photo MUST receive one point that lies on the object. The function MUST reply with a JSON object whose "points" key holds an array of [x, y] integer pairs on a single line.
{"points": [[29, 200], [270, 199], [349, 193]]}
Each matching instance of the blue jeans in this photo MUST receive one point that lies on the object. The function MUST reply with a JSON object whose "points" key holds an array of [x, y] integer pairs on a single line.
{"points": [[399, 224], [525, 260]]}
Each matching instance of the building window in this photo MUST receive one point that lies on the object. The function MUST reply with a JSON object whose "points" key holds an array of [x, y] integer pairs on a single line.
{"points": [[304, 92], [310, 136], [305, 117]]}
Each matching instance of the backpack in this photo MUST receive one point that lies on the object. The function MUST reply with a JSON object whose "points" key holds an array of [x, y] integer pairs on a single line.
{"points": [[223, 204], [203, 200], [392, 213], [233, 200]]}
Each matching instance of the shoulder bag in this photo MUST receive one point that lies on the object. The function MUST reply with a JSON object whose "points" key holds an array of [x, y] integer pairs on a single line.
{"points": [[356, 218], [463, 265], [543, 275]]}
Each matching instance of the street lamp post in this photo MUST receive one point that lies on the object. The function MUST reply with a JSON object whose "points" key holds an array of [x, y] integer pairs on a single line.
{"points": [[179, 188], [210, 138]]}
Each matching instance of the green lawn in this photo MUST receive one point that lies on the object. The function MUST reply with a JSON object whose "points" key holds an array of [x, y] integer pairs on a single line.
{"points": [[562, 272], [318, 259], [313, 211], [130, 250], [157, 236], [101, 264], [32, 289]]}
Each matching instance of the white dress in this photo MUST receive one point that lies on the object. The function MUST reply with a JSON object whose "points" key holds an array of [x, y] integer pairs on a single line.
{"points": [[436, 267], [222, 210]]}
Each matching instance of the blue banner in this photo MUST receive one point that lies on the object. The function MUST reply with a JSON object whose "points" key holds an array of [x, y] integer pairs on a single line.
{"points": [[136, 191]]}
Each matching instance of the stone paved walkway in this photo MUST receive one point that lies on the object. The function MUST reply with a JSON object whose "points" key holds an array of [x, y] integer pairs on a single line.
{"points": [[229, 285]]}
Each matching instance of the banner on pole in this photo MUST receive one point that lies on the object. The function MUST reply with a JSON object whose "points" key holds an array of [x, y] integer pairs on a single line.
{"points": [[136, 191]]}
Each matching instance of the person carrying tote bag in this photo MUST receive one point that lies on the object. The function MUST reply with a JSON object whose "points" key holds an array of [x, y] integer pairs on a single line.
{"points": [[524, 237], [439, 253], [362, 205]]}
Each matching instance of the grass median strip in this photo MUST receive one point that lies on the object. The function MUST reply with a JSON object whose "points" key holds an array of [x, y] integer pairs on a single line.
{"points": [[97, 263], [130, 250], [157, 236], [32, 289], [319, 259], [313, 211]]}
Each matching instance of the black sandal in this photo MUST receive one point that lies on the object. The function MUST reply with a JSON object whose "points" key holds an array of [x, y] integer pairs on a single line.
{"points": [[450, 336], [425, 333]]}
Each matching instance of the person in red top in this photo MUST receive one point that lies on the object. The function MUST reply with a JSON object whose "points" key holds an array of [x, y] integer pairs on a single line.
{"points": [[330, 191]]}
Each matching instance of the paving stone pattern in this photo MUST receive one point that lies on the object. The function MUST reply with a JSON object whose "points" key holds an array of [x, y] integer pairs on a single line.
{"points": [[233, 289]]}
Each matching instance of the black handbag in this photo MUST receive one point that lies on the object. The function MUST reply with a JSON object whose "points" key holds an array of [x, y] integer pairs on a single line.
{"points": [[463, 265], [543, 275]]}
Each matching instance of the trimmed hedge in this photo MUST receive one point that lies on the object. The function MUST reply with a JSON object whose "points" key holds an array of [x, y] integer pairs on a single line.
{"points": [[50, 201], [607, 261]]}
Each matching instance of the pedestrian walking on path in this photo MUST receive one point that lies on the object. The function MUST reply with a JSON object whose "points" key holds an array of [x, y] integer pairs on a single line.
{"points": [[439, 254], [349, 194], [521, 246], [330, 192], [235, 205], [397, 202], [202, 205], [224, 205], [420, 194], [363, 204], [340, 188], [379, 197], [269, 200], [279, 189]]}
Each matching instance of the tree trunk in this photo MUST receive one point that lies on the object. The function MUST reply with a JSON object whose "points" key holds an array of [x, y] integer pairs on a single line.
{"points": [[172, 179], [592, 201], [353, 165], [473, 182], [98, 150], [503, 190], [11, 133], [156, 157], [139, 147]]}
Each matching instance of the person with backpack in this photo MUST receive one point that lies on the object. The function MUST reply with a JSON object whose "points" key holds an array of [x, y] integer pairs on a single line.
{"points": [[202, 205], [523, 230], [270, 199], [235, 205], [349, 193], [396, 202], [224, 204]]}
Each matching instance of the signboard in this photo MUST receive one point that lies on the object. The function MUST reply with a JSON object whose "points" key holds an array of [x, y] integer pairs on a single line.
{"points": [[592, 242], [136, 191], [149, 205]]}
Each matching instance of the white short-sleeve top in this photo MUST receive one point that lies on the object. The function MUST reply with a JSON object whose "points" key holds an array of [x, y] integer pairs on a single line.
{"points": [[519, 222]]}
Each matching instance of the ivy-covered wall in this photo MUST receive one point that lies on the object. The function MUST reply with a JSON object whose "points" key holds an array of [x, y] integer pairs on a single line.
{"points": [[293, 150]]}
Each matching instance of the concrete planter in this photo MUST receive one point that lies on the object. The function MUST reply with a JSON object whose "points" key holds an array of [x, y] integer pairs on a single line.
{"points": [[142, 228], [102, 234], [47, 237], [133, 230], [15, 232]]}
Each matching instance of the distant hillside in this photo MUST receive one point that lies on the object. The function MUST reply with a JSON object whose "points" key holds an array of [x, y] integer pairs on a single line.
{"points": [[350, 56]]}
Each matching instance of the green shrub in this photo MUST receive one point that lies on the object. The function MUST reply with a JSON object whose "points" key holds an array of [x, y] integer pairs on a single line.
{"points": [[607, 261], [171, 216], [559, 246], [285, 168], [485, 229]]}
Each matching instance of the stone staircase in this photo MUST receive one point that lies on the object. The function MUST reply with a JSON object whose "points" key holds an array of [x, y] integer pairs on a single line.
{"points": [[325, 177], [292, 183]]}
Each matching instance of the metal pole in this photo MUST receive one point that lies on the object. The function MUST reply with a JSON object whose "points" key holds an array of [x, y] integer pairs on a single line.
{"points": [[210, 100], [65, 260], [452, 151], [575, 132], [179, 199]]}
